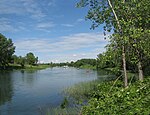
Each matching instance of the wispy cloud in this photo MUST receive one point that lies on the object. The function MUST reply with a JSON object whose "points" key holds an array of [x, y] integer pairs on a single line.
{"points": [[67, 25], [51, 3], [45, 26], [11, 7], [75, 42], [66, 43], [32, 7], [5, 25], [68, 57], [80, 20], [21, 7], [74, 24]]}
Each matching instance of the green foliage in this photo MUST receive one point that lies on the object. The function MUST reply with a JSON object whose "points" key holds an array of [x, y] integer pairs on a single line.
{"points": [[28, 59], [85, 62], [107, 60], [130, 22], [6, 50], [31, 59], [114, 99], [22, 61]]}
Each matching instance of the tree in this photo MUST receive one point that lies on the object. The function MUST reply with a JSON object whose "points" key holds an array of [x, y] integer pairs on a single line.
{"points": [[104, 11], [22, 61], [128, 21], [36, 60], [85, 62], [110, 58], [31, 59], [7, 49], [139, 32], [15, 59]]}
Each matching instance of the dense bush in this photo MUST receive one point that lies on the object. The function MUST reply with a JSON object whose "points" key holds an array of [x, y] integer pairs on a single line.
{"points": [[113, 100]]}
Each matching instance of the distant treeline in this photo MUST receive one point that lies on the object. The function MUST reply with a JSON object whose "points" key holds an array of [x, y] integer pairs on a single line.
{"points": [[79, 63], [107, 60]]}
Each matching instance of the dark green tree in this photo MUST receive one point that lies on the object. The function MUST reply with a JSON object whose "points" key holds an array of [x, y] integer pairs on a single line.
{"points": [[7, 49]]}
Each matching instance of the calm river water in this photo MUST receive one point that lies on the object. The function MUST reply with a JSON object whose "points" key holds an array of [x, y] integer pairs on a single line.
{"points": [[25, 92]]}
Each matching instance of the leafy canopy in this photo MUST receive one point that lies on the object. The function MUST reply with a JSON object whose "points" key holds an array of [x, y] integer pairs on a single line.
{"points": [[7, 49]]}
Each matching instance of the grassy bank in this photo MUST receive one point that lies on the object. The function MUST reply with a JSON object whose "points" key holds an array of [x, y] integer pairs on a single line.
{"points": [[112, 98], [81, 91], [37, 67], [26, 67]]}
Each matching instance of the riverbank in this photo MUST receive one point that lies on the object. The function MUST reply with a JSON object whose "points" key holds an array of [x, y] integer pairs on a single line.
{"points": [[112, 98], [26, 67]]}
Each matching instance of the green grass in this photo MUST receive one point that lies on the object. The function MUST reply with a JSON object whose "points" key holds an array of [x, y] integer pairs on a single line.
{"points": [[66, 111], [81, 91], [36, 67], [27, 67]]}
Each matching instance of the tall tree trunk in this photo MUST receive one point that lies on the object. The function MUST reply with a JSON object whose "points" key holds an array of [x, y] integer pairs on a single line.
{"points": [[123, 46], [140, 69], [124, 67], [141, 76]]}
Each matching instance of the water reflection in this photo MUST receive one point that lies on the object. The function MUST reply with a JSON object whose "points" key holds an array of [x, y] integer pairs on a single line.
{"points": [[28, 77], [23, 92], [6, 87]]}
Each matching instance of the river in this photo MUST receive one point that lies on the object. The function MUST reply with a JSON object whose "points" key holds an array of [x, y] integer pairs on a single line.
{"points": [[25, 92]]}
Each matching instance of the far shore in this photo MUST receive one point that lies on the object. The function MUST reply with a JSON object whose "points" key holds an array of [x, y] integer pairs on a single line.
{"points": [[26, 67]]}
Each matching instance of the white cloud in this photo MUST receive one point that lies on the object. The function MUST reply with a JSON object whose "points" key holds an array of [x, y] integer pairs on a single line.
{"points": [[11, 7], [67, 25], [83, 54], [32, 7], [5, 25], [66, 43], [73, 43], [80, 20], [74, 55], [22, 7], [92, 54], [45, 25], [51, 3]]}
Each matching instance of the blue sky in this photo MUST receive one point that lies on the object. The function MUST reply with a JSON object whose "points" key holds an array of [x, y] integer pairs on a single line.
{"points": [[54, 30]]}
